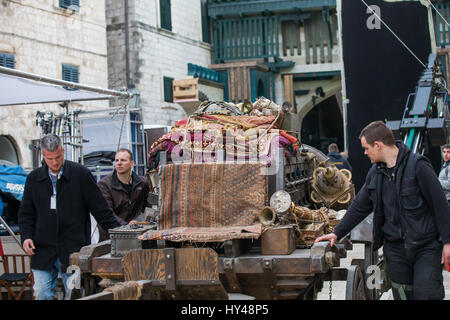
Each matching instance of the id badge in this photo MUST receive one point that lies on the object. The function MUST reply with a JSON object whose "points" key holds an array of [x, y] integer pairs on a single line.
{"points": [[53, 202]]}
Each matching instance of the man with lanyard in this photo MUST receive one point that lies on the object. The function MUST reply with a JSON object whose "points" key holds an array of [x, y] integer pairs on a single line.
{"points": [[411, 216], [54, 178], [125, 191], [54, 217]]}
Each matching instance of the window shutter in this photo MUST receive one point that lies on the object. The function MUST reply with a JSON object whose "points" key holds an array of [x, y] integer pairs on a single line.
{"points": [[70, 73], [165, 13], [7, 60], [67, 3], [168, 91]]}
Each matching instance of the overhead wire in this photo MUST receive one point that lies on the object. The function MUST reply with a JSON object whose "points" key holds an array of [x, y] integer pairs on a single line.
{"points": [[448, 25], [393, 33], [437, 11]]}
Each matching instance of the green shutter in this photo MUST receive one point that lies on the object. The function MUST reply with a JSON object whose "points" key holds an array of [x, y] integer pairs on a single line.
{"points": [[168, 90], [67, 3], [64, 3], [70, 73], [166, 17], [206, 36], [7, 60]]}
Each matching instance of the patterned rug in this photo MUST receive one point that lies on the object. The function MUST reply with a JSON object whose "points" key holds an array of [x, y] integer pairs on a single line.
{"points": [[210, 201]]}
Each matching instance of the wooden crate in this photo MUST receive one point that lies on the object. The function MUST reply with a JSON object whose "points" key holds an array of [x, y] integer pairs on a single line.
{"points": [[185, 89], [278, 240]]}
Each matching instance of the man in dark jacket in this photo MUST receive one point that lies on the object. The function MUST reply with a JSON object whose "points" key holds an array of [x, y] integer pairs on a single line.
{"points": [[411, 216], [337, 159], [444, 174], [54, 215], [125, 192]]}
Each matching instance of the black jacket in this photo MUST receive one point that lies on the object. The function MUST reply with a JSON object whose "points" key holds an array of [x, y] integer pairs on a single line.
{"points": [[60, 232], [126, 207], [413, 209], [339, 161]]}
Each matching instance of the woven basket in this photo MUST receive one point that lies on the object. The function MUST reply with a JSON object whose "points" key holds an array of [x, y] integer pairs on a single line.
{"points": [[332, 224]]}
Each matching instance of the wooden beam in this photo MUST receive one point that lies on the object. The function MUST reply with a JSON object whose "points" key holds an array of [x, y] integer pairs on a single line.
{"points": [[257, 64], [235, 8], [289, 88]]}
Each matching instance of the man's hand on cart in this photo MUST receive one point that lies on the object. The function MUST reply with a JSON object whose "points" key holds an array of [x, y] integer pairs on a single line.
{"points": [[327, 237]]}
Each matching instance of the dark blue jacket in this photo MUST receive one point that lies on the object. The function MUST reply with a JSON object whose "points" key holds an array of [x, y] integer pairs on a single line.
{"points": [[339, 161]]}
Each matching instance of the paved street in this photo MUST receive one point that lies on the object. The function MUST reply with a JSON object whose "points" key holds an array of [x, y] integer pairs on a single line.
{"points": [[10, 247]]}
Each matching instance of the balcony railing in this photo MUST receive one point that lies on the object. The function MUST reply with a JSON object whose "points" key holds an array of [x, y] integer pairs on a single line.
{"points": [[246, 38], [442, 29], [277, 36], [234, 8]]}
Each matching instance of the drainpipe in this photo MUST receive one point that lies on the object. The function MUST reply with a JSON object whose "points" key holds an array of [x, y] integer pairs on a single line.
{"points": [[344, 90], [127, 49]]}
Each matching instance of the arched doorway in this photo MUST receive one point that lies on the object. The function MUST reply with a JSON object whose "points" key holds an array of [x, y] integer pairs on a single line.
{"points": [[322, 125], [8, 151]]}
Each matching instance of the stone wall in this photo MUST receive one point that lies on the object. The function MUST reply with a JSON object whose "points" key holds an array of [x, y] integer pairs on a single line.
{"points": [[42, 36], [155, 52]]}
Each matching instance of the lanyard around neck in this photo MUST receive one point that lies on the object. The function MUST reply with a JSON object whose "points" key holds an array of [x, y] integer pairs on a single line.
{"points": [[54, 181]]}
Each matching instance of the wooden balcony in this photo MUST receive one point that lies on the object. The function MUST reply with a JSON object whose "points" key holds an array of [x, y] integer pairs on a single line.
{"points": [[304, 38], [227, 8], [441, 27]]}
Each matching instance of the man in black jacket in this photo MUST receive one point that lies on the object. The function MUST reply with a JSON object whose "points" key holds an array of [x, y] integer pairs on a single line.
{"points": [[444, 174], [125, 192], [411, 215], [54, 215]]}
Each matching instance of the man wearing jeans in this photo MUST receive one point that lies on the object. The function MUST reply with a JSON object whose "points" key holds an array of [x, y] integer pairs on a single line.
{"points": [[54, 215], [411, 217]]}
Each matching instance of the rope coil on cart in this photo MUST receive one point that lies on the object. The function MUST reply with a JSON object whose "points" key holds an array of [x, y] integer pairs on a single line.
{"points": [[129, 290]]}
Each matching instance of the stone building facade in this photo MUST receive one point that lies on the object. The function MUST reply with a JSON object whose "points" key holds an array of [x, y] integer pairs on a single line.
{"points": [[160, 45], [41, 36]]}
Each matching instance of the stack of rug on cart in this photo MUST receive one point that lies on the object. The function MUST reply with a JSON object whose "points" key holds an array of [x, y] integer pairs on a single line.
{"points": [[206, 195]]}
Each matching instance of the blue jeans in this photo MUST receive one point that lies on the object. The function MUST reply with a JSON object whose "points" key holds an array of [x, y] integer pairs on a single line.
{"points": [[45, 281]]}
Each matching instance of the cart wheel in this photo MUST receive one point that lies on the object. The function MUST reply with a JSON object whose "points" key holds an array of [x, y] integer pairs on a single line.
{"points": [[355, 289]]}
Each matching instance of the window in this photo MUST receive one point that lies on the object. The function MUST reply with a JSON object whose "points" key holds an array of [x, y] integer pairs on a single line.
{"points": [[7, 60], [70, 4], [69, 73], [165, 14], [168, 91]]}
